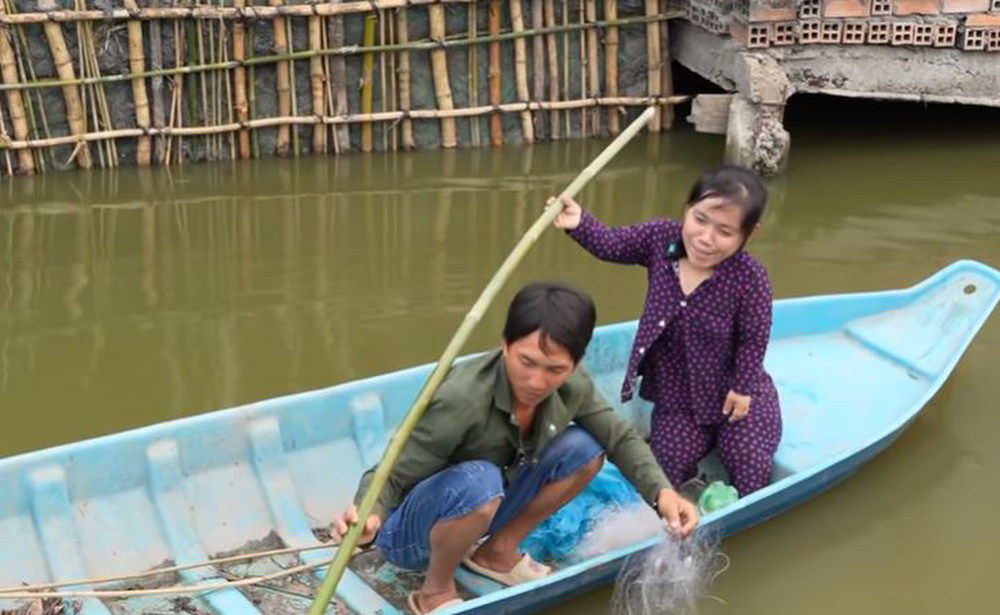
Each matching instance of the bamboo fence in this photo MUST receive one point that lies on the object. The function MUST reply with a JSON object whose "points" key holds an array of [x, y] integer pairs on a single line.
{"points": [[194, 81]]}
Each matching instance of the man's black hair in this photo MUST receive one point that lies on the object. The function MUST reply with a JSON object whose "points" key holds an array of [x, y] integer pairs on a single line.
{"points": [[559, 313]]}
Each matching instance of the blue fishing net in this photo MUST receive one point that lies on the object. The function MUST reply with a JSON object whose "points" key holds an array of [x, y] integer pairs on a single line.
{"points": [[558, 535]]}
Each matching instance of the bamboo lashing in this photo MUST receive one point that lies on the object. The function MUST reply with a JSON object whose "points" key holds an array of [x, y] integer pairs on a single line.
{"points": [[64, 68], [439, 67], [653, 60], [15, 105], [521, 70], [493, 75], [472, 318]]}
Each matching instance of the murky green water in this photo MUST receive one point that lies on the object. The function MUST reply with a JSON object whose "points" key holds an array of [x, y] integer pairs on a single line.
{"points": [[139, 296]]}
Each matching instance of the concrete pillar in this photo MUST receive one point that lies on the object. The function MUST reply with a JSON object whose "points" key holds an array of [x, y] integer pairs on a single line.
{"points": [[755, 136]]}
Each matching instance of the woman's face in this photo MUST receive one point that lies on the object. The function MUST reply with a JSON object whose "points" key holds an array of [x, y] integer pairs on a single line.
{"points": [[711, 231]]}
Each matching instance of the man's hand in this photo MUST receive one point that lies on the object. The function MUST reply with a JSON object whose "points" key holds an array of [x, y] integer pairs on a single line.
{"points": [[339, 526], [569, 218], [681, 516], [736, 406]]}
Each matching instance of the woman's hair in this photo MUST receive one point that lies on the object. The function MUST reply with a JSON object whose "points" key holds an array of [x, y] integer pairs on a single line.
{"points": [[737, 185], [559, 313]]}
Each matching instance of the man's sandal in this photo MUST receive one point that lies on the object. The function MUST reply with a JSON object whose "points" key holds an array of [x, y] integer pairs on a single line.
{"points": [[526, 569], [411, 601]]}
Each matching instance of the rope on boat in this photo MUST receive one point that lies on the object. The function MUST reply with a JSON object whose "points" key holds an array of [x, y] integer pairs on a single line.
{"points": [[173, 589], [39, 590]]}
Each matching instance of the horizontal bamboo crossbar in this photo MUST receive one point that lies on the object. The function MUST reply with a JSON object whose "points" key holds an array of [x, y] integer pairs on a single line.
{"points": [[348, 50], [384, 116], [218, 12]]}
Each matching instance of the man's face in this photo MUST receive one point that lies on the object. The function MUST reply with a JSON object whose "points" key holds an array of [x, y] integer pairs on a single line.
{"points": [[534, 373]]}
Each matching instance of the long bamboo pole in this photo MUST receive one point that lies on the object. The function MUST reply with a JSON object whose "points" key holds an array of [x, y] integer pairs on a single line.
{"points": [[340, 120], [403, 70], [521, 69], [473, 67], [64, 68], [472, 318], [537, 60], [493, 75], [137, 65], [611, 61], [666, 76], [338, 74], [203, 12], [316, 79], [553, 62], [653, 59], [593, 77], [156, 83], [367, 71], [283, 85], [15, 105], [439, 67], [240, 83]]}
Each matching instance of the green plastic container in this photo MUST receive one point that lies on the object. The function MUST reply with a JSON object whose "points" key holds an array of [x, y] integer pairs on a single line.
{"points": [[717, 495]]}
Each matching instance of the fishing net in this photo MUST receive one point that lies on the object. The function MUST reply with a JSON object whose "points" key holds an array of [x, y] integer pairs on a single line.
{"points": [[669, 578]]}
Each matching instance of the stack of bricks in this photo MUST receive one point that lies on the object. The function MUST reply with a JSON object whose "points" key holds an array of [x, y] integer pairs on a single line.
{"points": [[970, 25]]}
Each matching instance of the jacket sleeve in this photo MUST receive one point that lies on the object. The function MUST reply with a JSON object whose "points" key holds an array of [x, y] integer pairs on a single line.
{"points": [[628, 245], [753, 330], [428, 449], [624, 445]]}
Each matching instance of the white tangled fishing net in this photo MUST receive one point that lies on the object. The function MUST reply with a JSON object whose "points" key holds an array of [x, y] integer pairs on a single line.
{"points": [[669, 578]]}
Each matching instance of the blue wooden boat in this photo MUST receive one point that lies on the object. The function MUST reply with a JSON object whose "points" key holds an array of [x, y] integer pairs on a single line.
{"points": [[852, 370]]}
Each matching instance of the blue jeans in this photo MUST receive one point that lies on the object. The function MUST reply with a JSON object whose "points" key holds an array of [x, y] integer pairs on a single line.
{"points": [[457, 490]]}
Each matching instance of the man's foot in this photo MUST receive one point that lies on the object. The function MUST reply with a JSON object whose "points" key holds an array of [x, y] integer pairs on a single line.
{"points": [[420, 603], [523, 569]]}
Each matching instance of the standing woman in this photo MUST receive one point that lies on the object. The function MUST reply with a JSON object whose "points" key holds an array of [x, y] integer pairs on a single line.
{"points": [[704, 327]]}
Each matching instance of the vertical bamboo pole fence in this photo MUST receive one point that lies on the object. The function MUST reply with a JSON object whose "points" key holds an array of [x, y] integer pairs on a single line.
{"points": [[537, 59], [316, 84], [439, 66], [521, 69], [553, 52], [137, 64], [611, 62], [493, 24], [383, 86], [666, 76], [593, 51], [583, 59], [240, 84], [403, 35], [75, 118], [15, 104], [338, 75], [283, 80], [653, 60], [568, 127]]}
